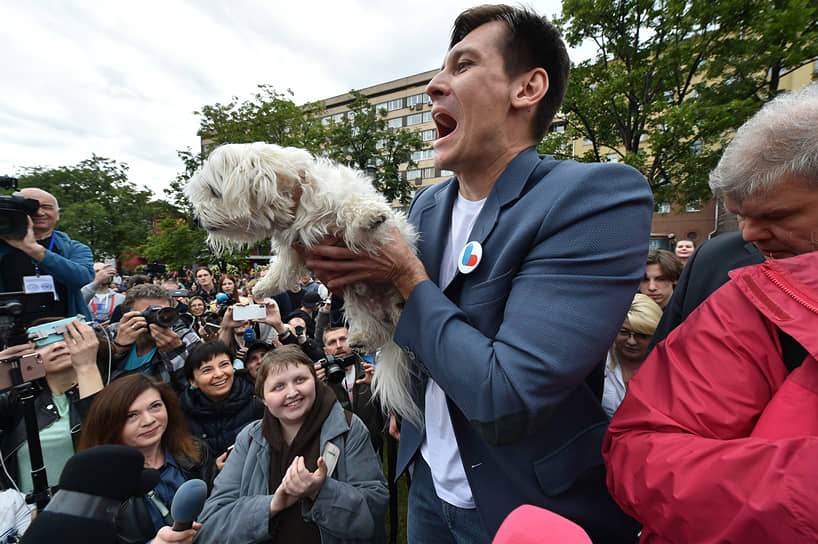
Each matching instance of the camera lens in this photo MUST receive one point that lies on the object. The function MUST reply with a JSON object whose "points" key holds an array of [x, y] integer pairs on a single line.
{"points": [[299, 330]]}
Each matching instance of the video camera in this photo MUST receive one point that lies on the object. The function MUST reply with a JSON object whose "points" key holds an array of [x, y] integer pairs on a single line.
{"points": [[335, 367], [14, 211]]}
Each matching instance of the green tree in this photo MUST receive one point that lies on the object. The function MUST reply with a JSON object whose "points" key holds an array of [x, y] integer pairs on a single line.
{"points": [[672, 78], [98, 205], [174, 243], [362, 139]]}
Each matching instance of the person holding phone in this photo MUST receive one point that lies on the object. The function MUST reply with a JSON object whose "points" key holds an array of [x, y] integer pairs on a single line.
{"points": [[63, 398], [100, 297], [305, 473]]}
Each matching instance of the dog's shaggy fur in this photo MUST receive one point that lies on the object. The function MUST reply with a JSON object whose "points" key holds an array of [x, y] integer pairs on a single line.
{"points": [[248, 192]]}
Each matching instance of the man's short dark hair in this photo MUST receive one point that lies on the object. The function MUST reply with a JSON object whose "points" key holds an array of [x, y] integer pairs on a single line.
{"points": [[670, 265], [146, 290], [531, 41]]}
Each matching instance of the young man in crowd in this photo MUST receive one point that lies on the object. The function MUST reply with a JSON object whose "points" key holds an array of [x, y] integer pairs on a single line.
{"points": [[662, 273], [521, 258]]}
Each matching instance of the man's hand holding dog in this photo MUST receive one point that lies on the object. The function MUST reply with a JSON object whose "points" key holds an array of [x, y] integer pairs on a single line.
{"points": [[395, 263]]}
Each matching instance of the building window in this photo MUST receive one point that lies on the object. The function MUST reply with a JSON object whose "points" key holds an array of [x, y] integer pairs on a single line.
{"points": [[446, 173], [558, 128], [416, 99], [586, 141], [414, 119], [427, 117], [429, 135], [612, 157], [413, 174], [379, 144], [393, 105], [427, 173], [397, 122], [326, 120], [338, 117], [423, 155], [662, 207], [694, 206], [380, 107]]}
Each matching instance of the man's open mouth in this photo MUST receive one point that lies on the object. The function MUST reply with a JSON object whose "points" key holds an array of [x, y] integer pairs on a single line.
{"points": [[446, 124]]}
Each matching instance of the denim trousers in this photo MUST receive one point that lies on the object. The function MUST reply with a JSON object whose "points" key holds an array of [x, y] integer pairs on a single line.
{"points": [[431, 520]]}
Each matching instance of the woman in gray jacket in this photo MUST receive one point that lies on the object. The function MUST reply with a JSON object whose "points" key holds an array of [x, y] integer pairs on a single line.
{"points": [[305, 473]]}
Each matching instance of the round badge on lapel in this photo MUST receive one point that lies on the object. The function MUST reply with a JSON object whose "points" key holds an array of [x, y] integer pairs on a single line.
{"points": [[470, 257]]}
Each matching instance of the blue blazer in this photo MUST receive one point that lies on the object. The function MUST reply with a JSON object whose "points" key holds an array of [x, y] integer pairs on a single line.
{"points": [[511, 343]]}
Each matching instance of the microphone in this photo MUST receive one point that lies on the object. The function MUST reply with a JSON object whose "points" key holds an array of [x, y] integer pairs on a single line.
{"points": [[221, 298], [187, 504], [249, 335]]}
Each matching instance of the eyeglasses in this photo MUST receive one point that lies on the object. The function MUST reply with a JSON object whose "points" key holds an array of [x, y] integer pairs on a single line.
{"points": [[626, 333]]}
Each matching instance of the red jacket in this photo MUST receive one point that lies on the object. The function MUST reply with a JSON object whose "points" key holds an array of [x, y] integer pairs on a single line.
{"points": [[715, 440]]}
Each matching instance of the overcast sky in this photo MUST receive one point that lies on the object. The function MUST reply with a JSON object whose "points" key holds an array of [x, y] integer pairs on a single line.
{"points": [[122, 79]]}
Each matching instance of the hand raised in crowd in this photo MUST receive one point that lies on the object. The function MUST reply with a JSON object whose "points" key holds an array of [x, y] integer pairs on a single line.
{"points": [[165, 338], [17, 351], [105, 274], [167, 535], [130, 327], [83, 343], [369, 371], [273, 317], [320, 372], [394, 428], [300, 482], [241, 352], [228, 323]]}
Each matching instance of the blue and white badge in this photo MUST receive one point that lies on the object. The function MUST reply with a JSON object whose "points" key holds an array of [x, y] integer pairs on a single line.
{"points": [[470, 257]]}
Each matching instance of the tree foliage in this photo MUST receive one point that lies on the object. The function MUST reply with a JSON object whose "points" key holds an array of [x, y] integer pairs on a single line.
{"points": [[174, 243], [98, 205], [672, 78], [362, 139]]}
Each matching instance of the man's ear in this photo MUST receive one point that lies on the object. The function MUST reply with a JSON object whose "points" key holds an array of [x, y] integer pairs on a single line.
{"points": [[530, 89]]}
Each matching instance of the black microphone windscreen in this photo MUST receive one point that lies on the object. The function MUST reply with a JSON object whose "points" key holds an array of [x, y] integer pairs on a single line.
{"points": [[188, 502], [111, 471]]}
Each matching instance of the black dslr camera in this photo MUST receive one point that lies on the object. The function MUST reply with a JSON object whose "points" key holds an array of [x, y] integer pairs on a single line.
{"points": [[335, 367], [160, 315], [14, 211]]}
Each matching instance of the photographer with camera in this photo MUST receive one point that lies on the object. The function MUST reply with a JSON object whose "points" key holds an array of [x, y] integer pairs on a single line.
{"points": [[59, 264], [62, 400], [353, 386], [150, 338]]}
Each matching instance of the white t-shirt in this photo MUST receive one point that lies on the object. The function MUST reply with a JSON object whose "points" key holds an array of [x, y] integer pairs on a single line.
{"points": [[439, 447], [614, 390]]}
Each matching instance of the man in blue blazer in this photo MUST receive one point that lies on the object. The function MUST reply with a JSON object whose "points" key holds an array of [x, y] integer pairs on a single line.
{"points": [[525, 269]]}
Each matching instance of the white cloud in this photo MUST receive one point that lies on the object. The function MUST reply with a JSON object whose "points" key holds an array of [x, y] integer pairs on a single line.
{"points": [[122, 80]]}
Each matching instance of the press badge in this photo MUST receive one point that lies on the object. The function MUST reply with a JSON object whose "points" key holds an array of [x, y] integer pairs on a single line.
{"points": [[40, 284]]}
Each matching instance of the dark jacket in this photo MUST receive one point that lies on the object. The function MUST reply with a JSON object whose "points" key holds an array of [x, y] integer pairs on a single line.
{"points": [[134, 523], [218, 423], [13, 426], [363, 405]]}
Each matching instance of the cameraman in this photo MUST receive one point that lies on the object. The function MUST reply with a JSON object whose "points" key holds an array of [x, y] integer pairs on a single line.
{"points": [[140, 346], [46, 252], [354, 390]]}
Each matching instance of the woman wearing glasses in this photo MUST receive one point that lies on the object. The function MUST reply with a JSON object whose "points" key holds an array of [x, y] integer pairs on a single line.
{"points": [[629, 349]]}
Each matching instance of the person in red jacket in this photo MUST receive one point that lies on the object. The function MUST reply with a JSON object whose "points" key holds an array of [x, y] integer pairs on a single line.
{"points": [[717, 437]]}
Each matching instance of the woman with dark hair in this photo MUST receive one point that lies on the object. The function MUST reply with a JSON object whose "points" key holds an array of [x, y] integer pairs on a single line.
{"points": [[142, 412], [279, 485], [217, 406]]}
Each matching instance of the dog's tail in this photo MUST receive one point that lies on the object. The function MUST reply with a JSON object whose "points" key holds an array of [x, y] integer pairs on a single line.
{"points": [[391, 384]]}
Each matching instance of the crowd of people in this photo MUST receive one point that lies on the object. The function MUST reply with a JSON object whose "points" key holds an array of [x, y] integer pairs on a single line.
{"points": [[661, 395]]}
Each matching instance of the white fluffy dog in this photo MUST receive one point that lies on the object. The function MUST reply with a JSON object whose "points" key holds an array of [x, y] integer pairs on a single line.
{"points": [[248, 192]]}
